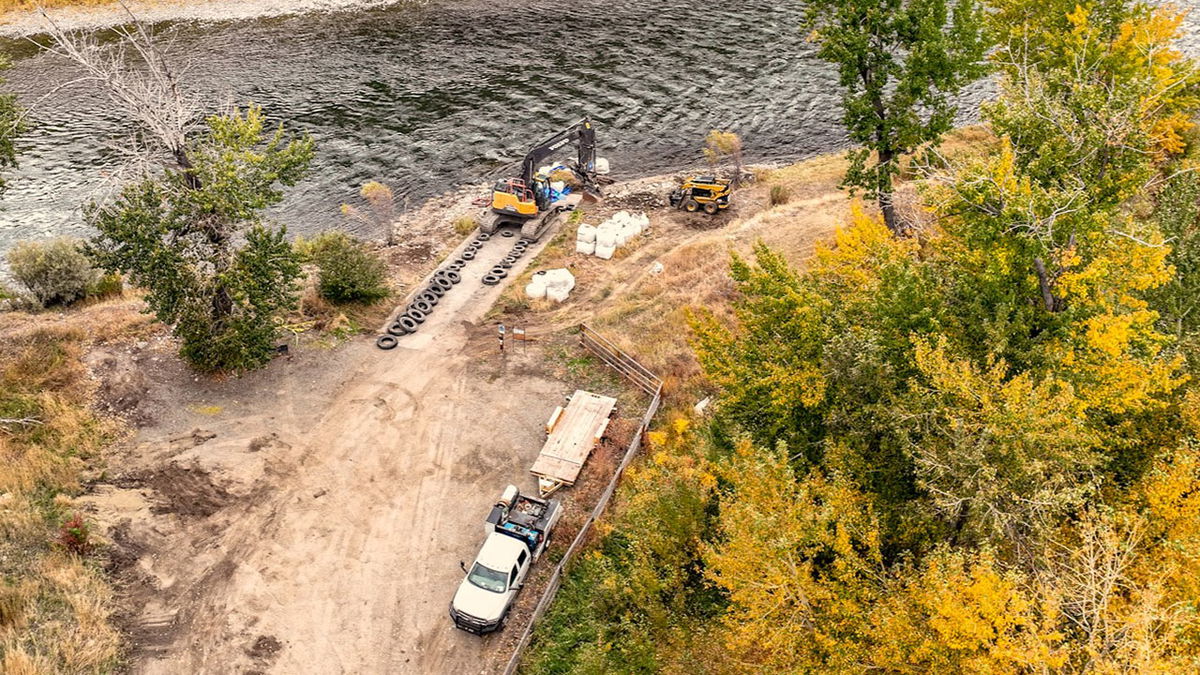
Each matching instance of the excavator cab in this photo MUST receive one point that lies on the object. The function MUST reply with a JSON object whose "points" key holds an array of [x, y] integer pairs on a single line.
{"points": [[513, 197]]}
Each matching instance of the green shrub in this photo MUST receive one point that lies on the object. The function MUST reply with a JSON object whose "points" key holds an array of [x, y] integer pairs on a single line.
{"points": [[55, 271], [780, 194], [346, 270], [107, 286]]}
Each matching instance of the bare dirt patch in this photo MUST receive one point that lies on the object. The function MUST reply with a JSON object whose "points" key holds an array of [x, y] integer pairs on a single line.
{"points": [[186, 491]]}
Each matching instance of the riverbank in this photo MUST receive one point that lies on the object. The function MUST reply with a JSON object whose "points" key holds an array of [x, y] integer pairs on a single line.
{"points": [[230, 510], [22, 17]]}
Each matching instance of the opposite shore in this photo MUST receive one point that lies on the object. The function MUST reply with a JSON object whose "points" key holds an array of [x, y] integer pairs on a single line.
{"points": [[19, 19]]}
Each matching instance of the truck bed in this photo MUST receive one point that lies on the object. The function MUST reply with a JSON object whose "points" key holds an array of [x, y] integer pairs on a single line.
{"points": [[573, 435]]}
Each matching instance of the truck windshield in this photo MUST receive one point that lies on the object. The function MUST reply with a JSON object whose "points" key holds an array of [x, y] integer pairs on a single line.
{"points": [[488, 579]]}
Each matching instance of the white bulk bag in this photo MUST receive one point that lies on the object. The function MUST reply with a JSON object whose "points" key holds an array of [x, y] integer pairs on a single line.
{"points": [[586, 233], [606, 236], [560, 278], [585, 247], [535, 289], [605, 252], [558, 294]]}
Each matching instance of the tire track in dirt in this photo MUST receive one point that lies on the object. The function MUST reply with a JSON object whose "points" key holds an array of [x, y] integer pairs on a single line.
{"points": [[343, 556]]}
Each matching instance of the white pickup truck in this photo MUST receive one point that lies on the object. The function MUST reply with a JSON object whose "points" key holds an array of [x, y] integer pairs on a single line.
{"points": [[518, 529]]}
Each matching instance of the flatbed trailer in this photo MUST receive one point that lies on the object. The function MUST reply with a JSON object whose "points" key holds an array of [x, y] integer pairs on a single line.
{"points": [[571, 434]]}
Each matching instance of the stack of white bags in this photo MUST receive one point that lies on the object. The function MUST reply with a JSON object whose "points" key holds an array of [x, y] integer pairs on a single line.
{"points": [[607, 237], [553, 284]]}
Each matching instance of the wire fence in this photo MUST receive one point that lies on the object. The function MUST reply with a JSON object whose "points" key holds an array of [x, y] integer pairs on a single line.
{"points": [[647, 382]]}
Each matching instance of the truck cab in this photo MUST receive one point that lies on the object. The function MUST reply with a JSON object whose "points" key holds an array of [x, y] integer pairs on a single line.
{"points": [[518, 529], [491, 584]]}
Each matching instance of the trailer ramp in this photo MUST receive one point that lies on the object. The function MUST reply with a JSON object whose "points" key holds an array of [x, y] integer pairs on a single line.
{"points": [[572, 432]]}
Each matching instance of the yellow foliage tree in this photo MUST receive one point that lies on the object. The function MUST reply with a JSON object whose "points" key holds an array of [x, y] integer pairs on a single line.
{"points": [[961, 613], [798, 558]]}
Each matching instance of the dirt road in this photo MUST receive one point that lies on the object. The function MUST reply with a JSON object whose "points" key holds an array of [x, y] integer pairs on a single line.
{"points": [[293, 542]]}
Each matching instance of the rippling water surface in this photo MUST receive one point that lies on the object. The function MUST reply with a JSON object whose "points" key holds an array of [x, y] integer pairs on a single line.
{"points": [[425, 99]]}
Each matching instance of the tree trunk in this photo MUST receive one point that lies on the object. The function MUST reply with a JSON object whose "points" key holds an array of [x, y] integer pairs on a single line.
{"points": [[889, 213], [1048, 299], [186, 166], [886, 203]]}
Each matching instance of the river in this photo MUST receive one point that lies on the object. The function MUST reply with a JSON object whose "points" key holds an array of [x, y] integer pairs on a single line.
{"points": [[428, 98]]}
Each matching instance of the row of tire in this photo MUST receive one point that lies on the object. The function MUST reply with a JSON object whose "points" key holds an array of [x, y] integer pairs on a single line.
{"points": [[501, 269], [441, 282]]}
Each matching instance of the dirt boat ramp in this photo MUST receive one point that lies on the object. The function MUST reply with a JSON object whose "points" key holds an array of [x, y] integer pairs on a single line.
{"points": [[323, 535]]}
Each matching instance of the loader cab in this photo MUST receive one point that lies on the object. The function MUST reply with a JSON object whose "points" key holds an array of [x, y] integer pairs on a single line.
{"points": [[701, 193]]}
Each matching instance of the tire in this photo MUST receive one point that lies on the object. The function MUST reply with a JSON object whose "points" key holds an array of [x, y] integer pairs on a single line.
{"points": [[483, 236], [711, 208], [415, 314], [521, 245], [457, 265], [691, 206], [387, 342], [506, 263], [410, 324], [490, 279], [468, 254], [452, 276], [423, 306], [396, 329], [442, 283], [429, 297], [507, 233], [499, 272]]}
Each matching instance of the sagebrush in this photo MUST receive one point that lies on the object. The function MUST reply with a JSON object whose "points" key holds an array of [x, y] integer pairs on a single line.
{"points": [[56, 272]]}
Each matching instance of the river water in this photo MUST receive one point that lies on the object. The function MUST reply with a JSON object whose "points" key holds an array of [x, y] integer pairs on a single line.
{"points": [[428, 98]]}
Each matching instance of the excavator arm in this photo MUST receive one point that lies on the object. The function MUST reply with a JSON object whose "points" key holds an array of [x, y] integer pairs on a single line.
{"points": [[526, 199], [583, 136]]}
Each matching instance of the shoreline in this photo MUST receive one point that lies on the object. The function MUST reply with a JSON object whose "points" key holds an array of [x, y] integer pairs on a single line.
{"points": [[19, 23]]}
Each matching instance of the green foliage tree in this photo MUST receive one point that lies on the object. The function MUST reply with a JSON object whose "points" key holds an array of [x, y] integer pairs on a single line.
{"points": [[900, 63], [346, 270], [195, 239], [11, 125], [55, 271]]}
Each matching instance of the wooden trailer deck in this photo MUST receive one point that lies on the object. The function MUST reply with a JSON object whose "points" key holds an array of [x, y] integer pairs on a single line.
{"points": [[572, 432]]}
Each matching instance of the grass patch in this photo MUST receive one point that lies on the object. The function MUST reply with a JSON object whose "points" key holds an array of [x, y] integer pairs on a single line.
{"points": [[780, 194], [55, 604], [465, 225]]}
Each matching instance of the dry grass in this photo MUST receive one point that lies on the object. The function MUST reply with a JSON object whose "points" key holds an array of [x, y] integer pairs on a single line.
{"points": [[337, 322], [55, 607], [647, 313], [30, 5]]}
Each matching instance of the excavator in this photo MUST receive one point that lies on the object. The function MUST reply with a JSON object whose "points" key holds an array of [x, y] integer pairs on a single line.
{"points": [[527, 201]]}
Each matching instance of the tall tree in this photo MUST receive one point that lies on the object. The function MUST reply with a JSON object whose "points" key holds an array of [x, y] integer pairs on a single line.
{"points": [[900, 63], [195, 239], [188, 226]]}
